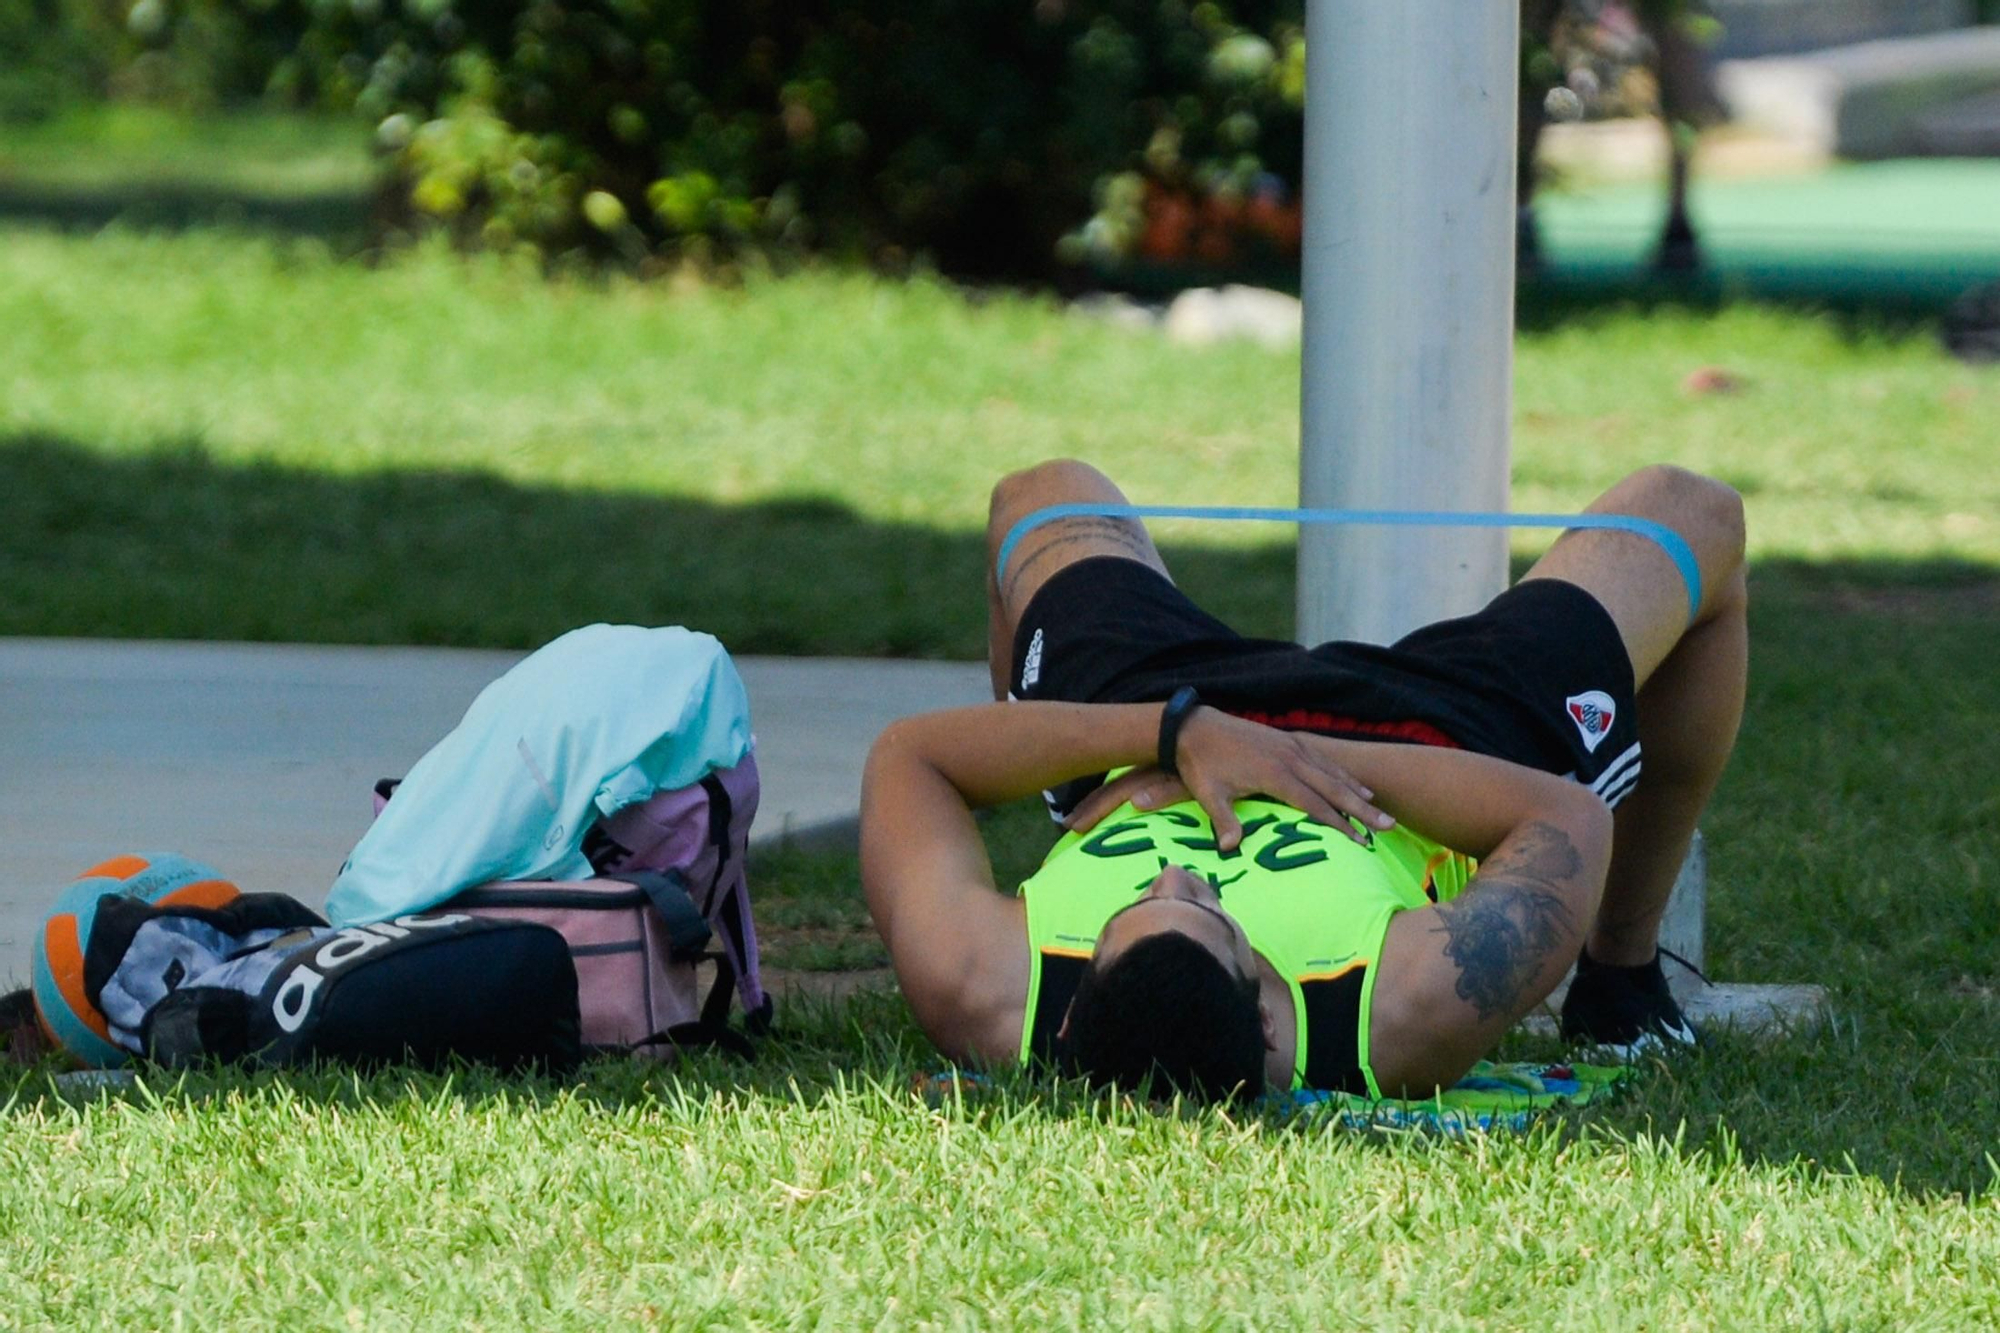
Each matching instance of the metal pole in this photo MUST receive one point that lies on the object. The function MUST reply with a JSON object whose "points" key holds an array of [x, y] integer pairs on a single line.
{"points": [[1407, 364]]}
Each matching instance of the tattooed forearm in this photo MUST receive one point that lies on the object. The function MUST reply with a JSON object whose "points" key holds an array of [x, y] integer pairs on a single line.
{"points": [[1511, 918], [1068, 532]]}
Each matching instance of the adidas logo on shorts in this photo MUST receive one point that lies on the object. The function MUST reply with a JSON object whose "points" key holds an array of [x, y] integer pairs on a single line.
{"points": [[1031, 665]]}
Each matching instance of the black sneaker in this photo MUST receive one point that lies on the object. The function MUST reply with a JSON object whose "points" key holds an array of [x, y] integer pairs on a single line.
{"points": [[1625, 1011]]}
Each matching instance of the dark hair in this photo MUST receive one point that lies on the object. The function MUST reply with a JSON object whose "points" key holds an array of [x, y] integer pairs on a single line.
{"points": [[1167, 1010]]}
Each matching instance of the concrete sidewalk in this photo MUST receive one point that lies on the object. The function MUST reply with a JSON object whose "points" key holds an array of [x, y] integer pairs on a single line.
{"points": [[259, 758]]}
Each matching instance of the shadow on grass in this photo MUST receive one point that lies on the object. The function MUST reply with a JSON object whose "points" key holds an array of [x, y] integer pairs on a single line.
{"points": [[340, 217], [167, 542], [1860, 298], [818, 1047], [1854, 305], [823, 1051]]}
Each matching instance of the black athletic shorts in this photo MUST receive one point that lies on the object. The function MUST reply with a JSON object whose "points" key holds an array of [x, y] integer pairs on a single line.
{"points": [[1539, 676]]}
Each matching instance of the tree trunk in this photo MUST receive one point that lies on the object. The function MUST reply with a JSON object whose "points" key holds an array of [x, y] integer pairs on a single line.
{"points": [[1687, 103]]}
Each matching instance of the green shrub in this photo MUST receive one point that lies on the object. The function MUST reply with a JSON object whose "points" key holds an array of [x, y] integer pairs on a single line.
{"points": [[1000, 138], [980, 132], [54, 51]]}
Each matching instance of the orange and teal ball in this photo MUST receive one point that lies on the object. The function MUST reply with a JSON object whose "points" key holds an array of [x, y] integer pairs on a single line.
{"points": [[159, 878]]}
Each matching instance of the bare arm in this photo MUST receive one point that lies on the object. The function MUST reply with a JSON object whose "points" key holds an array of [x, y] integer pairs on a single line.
{"points": [[1454, 977], [959, 946], [1468, 802]]}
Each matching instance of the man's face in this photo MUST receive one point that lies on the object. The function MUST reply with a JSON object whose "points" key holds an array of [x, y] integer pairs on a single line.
{"points": [[1179, 900]]}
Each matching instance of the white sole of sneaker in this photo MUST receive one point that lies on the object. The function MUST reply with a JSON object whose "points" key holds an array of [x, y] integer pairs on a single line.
{"points": [[1679, 1037]]}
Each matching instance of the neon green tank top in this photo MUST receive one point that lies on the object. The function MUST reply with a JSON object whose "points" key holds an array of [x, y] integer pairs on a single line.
{"points": [[1314, 903]]}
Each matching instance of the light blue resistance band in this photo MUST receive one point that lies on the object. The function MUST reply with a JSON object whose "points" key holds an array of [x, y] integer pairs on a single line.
{"points": [[1669, 541]]}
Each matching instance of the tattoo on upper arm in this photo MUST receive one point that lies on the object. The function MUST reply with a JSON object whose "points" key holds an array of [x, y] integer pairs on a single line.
{"points": [[1513, 916], [1082, 528]]}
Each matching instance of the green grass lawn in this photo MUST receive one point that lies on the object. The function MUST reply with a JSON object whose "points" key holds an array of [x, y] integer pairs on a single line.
{"points": [[724, 1201], [222, 432], [235, 433], [218, 434]]}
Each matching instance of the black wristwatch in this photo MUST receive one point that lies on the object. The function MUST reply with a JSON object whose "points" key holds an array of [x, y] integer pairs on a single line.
{"points": [[1183, 702]]}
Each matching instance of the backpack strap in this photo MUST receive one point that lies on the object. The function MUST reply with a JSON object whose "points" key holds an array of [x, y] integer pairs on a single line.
{"points": [[738, 934], [737, 941], [688, 931], [712, 1027], [720, 811], [689, 934]]}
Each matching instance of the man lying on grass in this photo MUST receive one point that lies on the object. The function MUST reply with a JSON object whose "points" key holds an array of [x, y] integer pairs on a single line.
{"points": [[1311, 918]]}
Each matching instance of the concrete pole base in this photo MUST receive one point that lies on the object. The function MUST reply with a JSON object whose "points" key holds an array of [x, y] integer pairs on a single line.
{"points": [[1684, 930], [1765, 1011]]}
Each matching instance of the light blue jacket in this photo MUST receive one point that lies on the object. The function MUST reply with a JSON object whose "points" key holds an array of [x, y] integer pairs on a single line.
{"points": [[599, 719]]}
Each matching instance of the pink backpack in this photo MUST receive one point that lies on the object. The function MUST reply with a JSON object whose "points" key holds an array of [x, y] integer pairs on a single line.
{"points": [[670, 893]]}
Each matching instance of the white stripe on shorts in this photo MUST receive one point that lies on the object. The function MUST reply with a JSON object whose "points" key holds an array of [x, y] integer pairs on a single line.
{"points": [[1619, 777], [1615, 770], [1622, 790]]}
